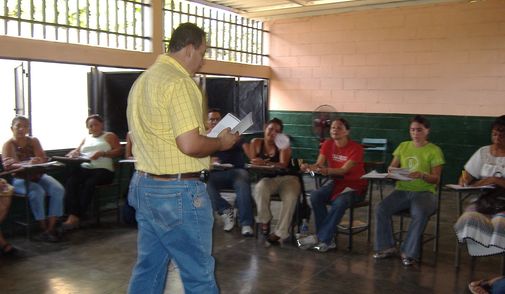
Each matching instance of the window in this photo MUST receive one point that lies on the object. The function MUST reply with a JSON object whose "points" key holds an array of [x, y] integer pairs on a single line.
{"points": [[230, 37], [122, 24]]}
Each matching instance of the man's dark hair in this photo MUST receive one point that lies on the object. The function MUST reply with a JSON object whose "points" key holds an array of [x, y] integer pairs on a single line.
{"points": [[186, 34], [276, 121], [421, 120], [498, 123]]}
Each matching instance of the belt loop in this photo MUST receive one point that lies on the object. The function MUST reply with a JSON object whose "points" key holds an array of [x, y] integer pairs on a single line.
{"points": [[179, 177]]}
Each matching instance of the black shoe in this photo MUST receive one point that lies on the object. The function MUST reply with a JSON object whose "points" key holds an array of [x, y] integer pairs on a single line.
{"points": [[273, 239], [265, 229], [385, 253], [8, 250], [408, 262], [47, 237]]}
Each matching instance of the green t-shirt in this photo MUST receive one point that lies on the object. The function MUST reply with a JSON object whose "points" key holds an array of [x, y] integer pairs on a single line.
{"points": [[421, 159]]}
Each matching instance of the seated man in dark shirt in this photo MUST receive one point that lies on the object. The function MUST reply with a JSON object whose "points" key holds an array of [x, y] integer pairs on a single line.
{"points": [[236, 178]]}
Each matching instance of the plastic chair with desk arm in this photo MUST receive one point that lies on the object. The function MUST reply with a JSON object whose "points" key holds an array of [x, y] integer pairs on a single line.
{"points": [[302, 209], [25, 219], [355, 227], [375, 157], [108, 194]]}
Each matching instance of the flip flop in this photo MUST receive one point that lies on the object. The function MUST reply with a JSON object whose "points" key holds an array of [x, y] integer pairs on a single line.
{"points": [[479, 287], [8, 250]]}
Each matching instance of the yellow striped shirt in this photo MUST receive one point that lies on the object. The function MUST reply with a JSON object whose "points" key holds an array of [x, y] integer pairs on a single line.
{"points": [[164, 103]]}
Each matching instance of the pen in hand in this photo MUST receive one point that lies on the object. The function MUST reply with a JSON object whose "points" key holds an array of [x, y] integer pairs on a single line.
{"points": [[464, 181]]}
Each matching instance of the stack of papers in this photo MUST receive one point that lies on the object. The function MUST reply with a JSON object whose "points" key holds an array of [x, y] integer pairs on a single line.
{"points": [[459, 187], [395, 176], [230, 121], [45, 164]]}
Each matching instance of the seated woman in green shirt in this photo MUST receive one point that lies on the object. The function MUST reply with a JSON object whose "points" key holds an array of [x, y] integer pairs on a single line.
{"points": [[424, 162]]}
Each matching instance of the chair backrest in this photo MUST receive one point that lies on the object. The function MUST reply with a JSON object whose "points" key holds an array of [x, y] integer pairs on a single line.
{"points": [[374, 144], [375, 152]]}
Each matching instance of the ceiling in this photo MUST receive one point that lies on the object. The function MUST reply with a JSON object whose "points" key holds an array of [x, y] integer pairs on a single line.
{"points": [[274, 9]]}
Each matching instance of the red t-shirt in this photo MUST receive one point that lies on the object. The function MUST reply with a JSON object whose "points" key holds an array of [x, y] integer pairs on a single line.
{"points": [[336, 157]]}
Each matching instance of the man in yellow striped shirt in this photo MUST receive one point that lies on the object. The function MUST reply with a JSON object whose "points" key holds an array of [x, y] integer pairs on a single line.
{"points": [[173, 209]]}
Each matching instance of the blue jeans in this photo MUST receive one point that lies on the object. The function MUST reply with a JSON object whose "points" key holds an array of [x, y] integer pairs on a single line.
{"points": [[421, 206], [37, 194], [498, 287], [327, 221], [175, 222], [235, 178]]}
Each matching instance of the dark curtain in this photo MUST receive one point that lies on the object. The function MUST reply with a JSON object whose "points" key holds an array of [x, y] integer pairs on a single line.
{"points": [[108, 96]]}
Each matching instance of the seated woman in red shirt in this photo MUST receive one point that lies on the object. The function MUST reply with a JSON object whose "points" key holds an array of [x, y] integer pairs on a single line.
{"points": [[343, 157]]}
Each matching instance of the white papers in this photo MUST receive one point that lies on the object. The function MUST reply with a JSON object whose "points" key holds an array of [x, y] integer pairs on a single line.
{"points": [[282, 141], [45, 164], [223, 165], [401, 174], [129, 160], [459, 187], [375, 175], [230, 121], [399, 171], [399, 177], [244, 124]]}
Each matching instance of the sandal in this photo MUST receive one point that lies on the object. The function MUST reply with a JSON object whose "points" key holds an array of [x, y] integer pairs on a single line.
{"points": [[8, 250], [479, 287], [265, 229], [273, 239]]}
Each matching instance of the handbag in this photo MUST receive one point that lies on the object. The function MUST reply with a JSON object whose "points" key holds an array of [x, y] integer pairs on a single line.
{"points": [[491, 202]]}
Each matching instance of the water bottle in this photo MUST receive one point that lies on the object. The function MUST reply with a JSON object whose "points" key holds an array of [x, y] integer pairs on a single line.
{"points": [[304, 229]]}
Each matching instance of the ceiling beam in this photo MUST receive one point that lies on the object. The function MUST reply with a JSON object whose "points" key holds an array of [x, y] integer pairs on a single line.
{"points": [[341, 7]]}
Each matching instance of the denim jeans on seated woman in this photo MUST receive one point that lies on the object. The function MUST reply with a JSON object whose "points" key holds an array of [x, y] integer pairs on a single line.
{"points": [[421, 206], [327, 220], [175, 222], [37, 192]]}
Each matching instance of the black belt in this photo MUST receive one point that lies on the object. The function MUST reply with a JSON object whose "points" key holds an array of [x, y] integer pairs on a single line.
{"points": [[176, 177]]}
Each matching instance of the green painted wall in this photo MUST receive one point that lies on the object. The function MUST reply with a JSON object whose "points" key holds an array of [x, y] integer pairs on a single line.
{"points": [[458, 136]]}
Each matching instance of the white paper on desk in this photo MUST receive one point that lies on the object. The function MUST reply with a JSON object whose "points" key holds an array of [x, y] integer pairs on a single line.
{"points": [[399, 177], [129, 160], [230, 121], [225, 165], [45, 164], [399, 171], [374, 175], [459, 187]]}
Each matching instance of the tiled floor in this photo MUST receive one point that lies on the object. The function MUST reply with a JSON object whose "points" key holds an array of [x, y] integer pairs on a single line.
{"points": [[100, 259]]}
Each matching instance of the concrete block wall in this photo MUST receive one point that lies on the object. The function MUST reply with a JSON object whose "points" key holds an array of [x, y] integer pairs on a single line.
{"points": [[446, 59]]}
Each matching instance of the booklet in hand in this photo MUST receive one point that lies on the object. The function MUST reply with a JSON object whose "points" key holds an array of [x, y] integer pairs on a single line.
{"points": [[230, 121]]}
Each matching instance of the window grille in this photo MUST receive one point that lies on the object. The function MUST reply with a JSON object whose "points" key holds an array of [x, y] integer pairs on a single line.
{"points": [[106, 23], [230, 37]]}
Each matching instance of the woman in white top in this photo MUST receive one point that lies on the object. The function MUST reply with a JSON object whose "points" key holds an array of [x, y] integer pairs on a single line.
{"points": [[100, 147]]}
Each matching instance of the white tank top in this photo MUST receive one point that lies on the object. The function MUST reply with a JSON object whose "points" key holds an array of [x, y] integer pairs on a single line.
{"points": [[92, 145]]}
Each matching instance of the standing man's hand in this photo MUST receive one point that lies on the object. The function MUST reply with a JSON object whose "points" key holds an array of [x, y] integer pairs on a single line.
{"points": [[227, 139]]}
